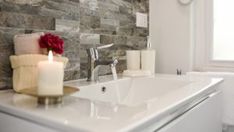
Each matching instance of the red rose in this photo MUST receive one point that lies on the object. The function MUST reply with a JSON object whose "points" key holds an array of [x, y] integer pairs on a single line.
{"points": [[52, 42]]}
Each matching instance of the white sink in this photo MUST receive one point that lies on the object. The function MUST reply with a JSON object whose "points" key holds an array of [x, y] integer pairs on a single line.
{"points": [[130, 91], [128, 104]]}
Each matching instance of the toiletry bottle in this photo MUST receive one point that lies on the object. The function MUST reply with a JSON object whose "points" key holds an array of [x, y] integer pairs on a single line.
{"points": [[148, 58]]}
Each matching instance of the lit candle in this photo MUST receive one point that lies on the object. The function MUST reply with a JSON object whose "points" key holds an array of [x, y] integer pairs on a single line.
{"points": [[50, 77]]}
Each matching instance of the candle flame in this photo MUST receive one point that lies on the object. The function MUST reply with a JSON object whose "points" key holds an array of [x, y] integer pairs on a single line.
{"points": [[50, 56]]}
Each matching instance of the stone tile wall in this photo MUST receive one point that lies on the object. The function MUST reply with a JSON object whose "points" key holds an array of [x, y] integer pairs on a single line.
{"points": [[81, 23]]}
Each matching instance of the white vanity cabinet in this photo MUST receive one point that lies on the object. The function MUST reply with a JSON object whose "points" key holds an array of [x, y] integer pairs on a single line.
{"points": [[205, 117], [10, 123]]}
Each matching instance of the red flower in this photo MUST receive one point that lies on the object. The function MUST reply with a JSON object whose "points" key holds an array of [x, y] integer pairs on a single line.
{"points": [[52, 42]]}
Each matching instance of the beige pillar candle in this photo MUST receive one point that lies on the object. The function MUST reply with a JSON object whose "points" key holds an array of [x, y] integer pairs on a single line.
{"points": [[133, 59]]}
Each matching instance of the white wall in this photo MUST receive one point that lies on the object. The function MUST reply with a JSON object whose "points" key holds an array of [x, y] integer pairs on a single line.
{"points": [[170, 34]]}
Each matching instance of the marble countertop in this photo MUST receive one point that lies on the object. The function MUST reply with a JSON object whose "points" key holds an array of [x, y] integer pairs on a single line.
{"points": [[77, 114]]}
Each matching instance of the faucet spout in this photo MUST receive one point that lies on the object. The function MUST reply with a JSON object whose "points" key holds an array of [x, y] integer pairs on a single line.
{"points": [[93, 69], [98, 62], [94, 63]]}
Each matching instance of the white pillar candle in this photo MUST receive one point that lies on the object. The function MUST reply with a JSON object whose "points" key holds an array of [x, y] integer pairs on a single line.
{"points": [[133, 59], [50, 77]]}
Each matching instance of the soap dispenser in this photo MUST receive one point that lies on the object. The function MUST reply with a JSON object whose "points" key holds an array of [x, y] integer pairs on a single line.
{"points": [[148, 58]]}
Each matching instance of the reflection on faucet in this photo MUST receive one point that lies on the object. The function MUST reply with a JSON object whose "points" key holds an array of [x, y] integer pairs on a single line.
{"points": [[108, 111], [94, 63], [103, 111]]}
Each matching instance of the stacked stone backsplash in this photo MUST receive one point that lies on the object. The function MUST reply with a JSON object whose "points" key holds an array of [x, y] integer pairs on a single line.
{"points": [[81, 23]]}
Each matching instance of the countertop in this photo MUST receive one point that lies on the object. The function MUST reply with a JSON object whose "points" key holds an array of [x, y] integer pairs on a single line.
{"points": [[77, 114]]}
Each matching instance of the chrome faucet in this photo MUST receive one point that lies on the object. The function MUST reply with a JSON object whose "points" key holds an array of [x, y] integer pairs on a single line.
{"points": [[94, 63]]}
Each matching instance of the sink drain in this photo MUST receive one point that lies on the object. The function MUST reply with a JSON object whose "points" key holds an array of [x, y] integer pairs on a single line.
{"points": [[103, 89]]}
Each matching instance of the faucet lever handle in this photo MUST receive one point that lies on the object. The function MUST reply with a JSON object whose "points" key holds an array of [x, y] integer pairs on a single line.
{"points": [[105, 46]]}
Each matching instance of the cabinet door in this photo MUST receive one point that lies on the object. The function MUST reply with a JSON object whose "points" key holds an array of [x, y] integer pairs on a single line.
{"points": [[10, 123], [205, 117]]}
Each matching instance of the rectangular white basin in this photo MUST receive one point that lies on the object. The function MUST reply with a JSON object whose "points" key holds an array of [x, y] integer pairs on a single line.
{"points": [[130, 91], [128, 104]]}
